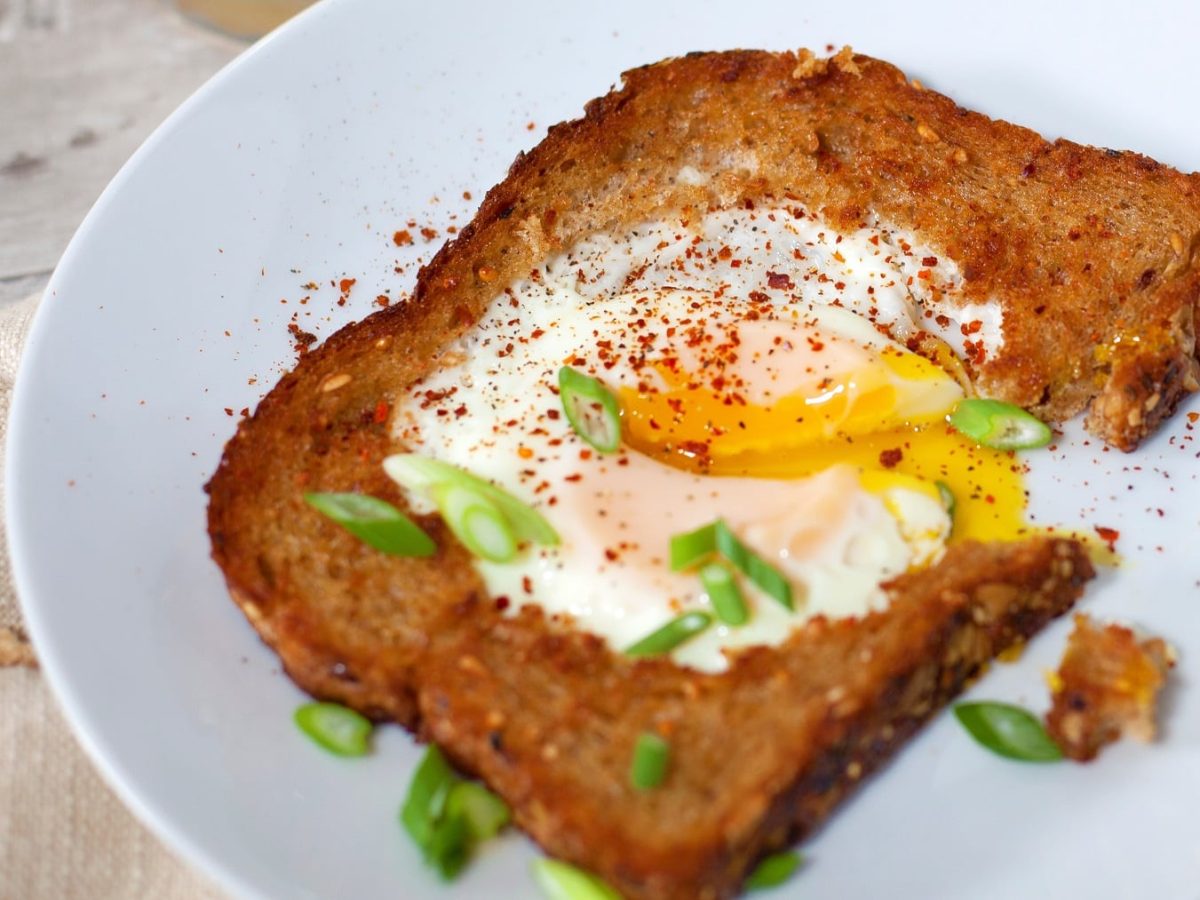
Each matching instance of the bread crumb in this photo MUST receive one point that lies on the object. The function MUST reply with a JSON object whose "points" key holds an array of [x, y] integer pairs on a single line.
{"points": [[333, 382], [809, 64], [928, 135], [531, 232], [844, 60], [1106, 686]]}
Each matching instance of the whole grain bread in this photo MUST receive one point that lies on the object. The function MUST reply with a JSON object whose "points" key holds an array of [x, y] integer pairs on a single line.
{"points": [[763, 752]]}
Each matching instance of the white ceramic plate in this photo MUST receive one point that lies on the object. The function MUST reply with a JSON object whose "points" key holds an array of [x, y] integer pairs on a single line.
{"points": [[297, 165]]}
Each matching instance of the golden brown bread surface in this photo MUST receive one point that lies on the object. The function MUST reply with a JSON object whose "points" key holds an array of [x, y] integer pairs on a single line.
{"points": [[1063, 235], [1090, 252], [760, 754]]}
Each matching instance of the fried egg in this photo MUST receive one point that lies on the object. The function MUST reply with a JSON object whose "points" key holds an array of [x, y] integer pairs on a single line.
{"points": [[766, 374]]}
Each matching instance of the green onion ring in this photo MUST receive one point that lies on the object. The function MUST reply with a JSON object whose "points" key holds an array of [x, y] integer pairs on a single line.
{"points": [[724, 594], [651, 754], [420, 474], [485, 813], [334, 727], [446, 815], [562, 881], [591, 408], [757, 569], [427, 795], [773, 870], [476, 522], [449, 846], [671, 635], [999, 425], [691, 547], [375, 522]]}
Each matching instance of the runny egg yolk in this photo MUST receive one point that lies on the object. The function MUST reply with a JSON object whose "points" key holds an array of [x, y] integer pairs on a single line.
{"points": [[839, 393], [758, 346]]}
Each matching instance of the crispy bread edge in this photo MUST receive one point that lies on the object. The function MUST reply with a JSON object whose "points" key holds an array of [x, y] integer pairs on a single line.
{"points": [[762, 754]]}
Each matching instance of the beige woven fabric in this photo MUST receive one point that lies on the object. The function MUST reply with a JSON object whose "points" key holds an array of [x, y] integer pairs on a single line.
{"points": [[63, 834], [14, 325]]}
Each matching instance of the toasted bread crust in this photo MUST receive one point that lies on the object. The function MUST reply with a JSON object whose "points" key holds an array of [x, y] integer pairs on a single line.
{"points": [[761, 754], [1090, 252], [548, 716]]}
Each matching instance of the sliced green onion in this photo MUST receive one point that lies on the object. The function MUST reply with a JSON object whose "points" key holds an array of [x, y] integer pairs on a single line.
{"points": [[562, 881], [1008, 731], [693, 547], [420, 474], [335, 727], [774, 870], [484, 812], [591, 408], [947, 496], [671, 635], [724, 594], [651, 754], [446, 815], [449, 846], [999, 425], [427, 795], [375, 522], [476, 522], [754, 567]]}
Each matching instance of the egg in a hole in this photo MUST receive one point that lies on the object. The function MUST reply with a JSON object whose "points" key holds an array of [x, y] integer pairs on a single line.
{"points": [[772, 374]]}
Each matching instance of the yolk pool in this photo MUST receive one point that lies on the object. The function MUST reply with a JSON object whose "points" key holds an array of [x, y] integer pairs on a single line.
{"points": [[864, 418]]}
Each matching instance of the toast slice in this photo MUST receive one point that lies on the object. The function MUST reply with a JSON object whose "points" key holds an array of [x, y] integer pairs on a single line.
{"points": [[1083, 249]]}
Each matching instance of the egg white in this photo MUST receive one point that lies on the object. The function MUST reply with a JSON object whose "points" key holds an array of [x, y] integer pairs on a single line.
{"points": [[611, 305]]}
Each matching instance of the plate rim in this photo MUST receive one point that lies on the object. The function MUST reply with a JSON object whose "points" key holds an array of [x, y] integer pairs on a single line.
{"points": [[114, 773]]}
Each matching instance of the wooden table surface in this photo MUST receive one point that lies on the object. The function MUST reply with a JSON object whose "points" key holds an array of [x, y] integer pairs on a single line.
{"points": [[82, 84]]}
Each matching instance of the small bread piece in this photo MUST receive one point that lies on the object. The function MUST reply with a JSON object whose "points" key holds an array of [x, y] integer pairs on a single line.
{"points": [[763, 752], [1106, 686]]}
